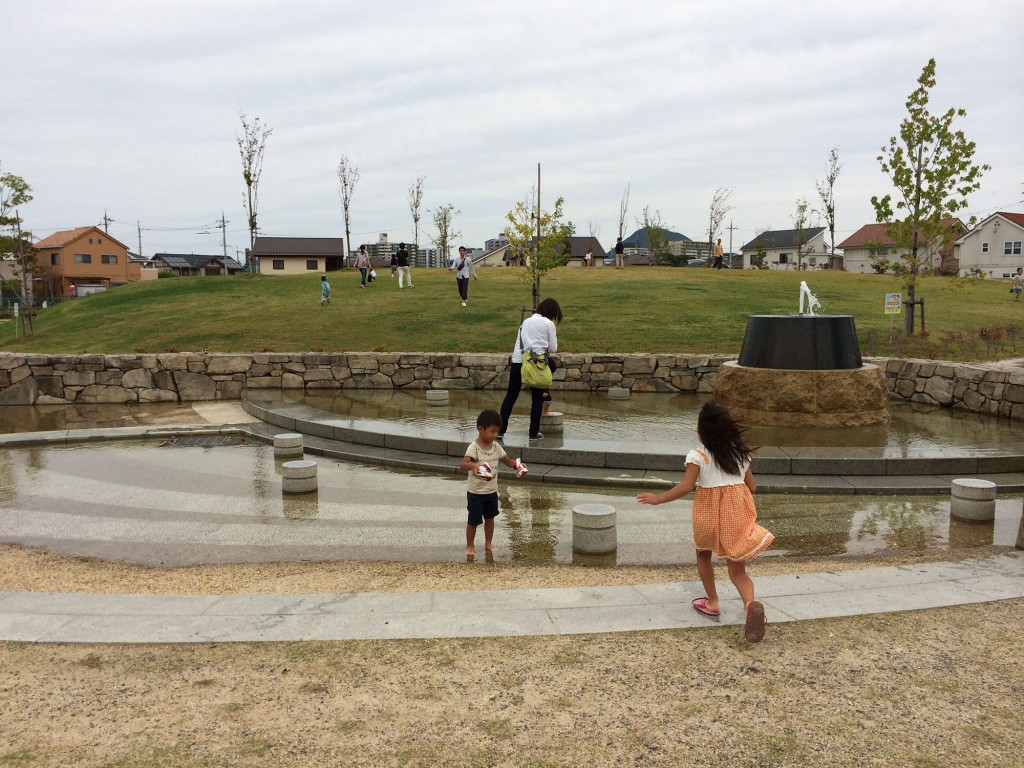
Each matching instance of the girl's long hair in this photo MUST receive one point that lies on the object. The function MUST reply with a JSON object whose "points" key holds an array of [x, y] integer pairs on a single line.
{"points": [[723, 437]]}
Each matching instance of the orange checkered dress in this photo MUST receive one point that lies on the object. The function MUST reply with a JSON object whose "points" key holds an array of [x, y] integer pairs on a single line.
{"points": [[724, 516]]}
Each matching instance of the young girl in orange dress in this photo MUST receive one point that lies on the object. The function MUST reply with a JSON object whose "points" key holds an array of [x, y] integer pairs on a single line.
{"points": [[724, 517]]}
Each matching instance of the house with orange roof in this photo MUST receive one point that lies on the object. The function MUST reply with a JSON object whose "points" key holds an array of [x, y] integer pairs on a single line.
{"points": [[86, 256], [871, 244], [993, 247]]}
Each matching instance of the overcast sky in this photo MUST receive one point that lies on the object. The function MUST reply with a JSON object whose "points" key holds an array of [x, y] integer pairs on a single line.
{"points": [[133, 108]]}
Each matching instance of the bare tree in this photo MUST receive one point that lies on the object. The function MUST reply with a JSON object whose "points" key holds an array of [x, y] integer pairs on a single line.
{"points": [[251, 144], [623, 208], [716, 215], [826, 193], [800, 226], [348, 177], [415, 199]]}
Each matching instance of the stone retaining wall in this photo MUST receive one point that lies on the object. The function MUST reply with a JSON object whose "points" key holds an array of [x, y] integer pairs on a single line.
{"points": [[187, 377]]}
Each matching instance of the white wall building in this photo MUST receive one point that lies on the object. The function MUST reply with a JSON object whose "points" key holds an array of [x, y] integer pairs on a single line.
{"points": [[992, 248]]}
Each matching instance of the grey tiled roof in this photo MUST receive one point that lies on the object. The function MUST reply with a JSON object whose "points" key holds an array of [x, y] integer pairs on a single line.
{"points": [[782, 238], [299, 246]]}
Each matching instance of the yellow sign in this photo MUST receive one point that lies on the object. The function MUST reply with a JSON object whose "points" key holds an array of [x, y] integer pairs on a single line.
{"points": [[893, 303]]}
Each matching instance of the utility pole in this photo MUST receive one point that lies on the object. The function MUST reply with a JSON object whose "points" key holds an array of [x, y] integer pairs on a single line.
{"points": [[730, 228], [139, 226], [223, 226], [107, 221]]}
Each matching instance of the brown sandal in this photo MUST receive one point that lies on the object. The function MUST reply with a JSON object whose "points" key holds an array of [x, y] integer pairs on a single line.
{"points": [[753, 628]]}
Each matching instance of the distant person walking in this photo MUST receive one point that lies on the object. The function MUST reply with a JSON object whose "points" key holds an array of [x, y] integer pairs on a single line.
{"points": [[536, 334], [363, 265], [403, 265], [463, 266], [619, 250], [588, 259], [718, 254], [394, 264], [325, 291], [724, 516], [1018, 283]]}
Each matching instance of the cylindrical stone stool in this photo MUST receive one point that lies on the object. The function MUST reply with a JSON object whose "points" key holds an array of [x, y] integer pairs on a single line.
{"points": [[552, 424], [287, 444], [1020, 531], [973, 500], [593, 529], [437, 397], [298, 476], [618, 393]]}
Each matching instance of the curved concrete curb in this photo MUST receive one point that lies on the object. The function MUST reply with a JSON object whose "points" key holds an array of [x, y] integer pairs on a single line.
{"points": [[102, 618]]}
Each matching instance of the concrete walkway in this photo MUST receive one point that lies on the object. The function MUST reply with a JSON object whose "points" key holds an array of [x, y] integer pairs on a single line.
{"points": [[102, 618]]}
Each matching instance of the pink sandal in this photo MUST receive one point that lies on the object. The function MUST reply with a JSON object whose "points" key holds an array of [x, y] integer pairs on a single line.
{"points": [[753, 627], [701, 604]]}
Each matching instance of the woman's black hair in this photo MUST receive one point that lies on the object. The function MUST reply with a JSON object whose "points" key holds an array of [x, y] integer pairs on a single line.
{"points": [[549, 308], [723, 436]]}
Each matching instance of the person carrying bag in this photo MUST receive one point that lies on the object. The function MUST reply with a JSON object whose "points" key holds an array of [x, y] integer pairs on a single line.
{"points": [[531, 365]]}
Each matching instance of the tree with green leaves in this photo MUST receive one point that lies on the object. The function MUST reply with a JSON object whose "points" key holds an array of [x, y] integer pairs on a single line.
{"points": [[251, 145], [931, 166], [657, 235], [827, 195], [540, 237], [15, 192], [446, 232]]}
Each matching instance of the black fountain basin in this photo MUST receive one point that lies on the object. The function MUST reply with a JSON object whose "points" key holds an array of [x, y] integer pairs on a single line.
{"points": [[801, 343]]}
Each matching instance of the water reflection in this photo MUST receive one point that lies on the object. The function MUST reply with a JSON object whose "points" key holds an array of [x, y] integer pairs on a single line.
{"points": [[670, 418], [126, 497]]}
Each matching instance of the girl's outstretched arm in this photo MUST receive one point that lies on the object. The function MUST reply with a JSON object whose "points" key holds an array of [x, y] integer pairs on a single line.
{"points": [[749, 480], [683, 487]]}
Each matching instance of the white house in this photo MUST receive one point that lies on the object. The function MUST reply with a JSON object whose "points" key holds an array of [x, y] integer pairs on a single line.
{"points": [[780, 248], [992, 248], [871, 243]]}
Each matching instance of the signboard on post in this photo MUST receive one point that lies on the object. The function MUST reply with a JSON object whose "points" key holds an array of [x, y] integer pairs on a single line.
{"points": [[893, 303]]}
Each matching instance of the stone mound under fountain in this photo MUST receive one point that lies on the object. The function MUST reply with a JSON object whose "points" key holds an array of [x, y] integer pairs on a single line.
{"points": [[803, 370]]}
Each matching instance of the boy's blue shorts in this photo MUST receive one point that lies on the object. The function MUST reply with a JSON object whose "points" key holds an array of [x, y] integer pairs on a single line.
{"points": [[481, 506]]}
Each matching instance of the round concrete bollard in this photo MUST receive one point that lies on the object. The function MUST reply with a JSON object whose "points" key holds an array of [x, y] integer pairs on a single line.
{"points": [[973, 500], [287, 444], [437, 397], [593, 529], [298, 476], [1020, 531], [618, 393], [552, 424]]}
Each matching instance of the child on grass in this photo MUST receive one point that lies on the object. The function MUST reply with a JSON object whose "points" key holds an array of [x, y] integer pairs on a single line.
{"points": [[724, 517], [481, 461]]}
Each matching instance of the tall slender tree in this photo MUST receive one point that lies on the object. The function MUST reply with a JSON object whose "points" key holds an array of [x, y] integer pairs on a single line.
{"points": [[623, 209], [348, 177], [657, 234], [415, 199], [251, 145], [541, 237], [444, 218], [717, 211], [15, 192], [800, 220], [931, 166], [827, 195]]}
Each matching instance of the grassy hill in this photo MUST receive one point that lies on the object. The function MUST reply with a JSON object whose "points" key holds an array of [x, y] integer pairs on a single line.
{"points": [[640, 309]]}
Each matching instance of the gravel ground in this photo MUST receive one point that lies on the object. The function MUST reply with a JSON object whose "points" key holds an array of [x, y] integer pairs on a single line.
{"points": [[927, 688]]}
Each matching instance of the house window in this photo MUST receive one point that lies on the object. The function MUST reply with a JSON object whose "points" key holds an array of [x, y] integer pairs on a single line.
{"points": [[83, 258], [312, 264], [784, 258], [54, 259], [984, 247], [278, 263], [813, 260], [1011, 248], [108, 259]]}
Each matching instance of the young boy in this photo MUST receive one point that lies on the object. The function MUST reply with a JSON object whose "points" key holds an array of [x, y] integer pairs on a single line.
{"points": [[480, 462]]}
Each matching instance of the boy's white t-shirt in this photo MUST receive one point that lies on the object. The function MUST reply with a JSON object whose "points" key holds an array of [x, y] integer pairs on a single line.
{"points": [[711, 475], [492, 456]]}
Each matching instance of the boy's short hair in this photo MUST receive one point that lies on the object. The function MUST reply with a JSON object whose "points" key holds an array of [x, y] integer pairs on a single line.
{"points": [[488, 418]]}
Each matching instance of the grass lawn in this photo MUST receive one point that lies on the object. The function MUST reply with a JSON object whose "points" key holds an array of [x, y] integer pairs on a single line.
{"points": [[639, 309]]}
